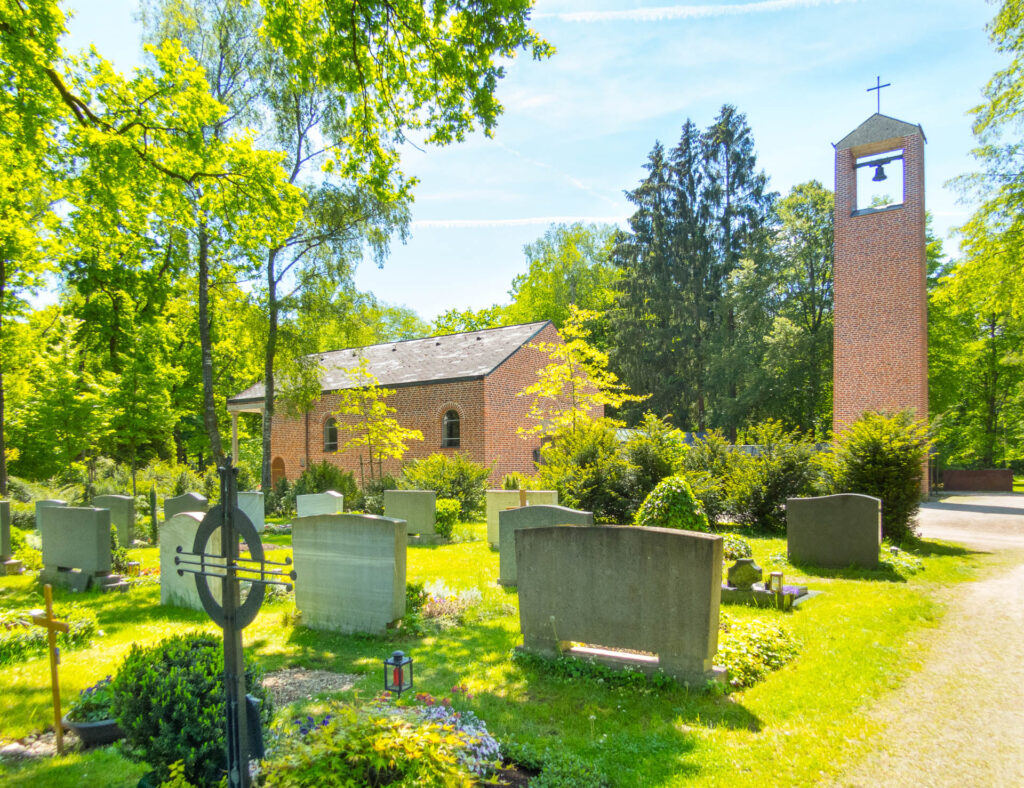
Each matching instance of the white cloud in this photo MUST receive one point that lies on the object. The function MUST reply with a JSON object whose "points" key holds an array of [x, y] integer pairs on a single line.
{"points": [[665, 13], [436, 224]]}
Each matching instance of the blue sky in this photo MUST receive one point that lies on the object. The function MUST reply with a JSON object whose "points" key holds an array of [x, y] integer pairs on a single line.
{"points": [[578, 127]]}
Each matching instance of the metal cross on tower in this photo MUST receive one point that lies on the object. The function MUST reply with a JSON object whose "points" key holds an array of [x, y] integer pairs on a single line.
{"points": [[878, 86], [232, 615]]}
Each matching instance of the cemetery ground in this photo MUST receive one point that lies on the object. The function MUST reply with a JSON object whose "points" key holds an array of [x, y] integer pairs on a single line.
{"points": [[807, 723]]}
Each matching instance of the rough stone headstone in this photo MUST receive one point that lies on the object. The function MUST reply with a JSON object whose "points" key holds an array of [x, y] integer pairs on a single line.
{"points": [[180, 531], [46, 503], [351, 571], [252, 504], [76, 545], [631, 588], [834, 530], [9, 565], [511, 521], [499, 500], [189, 502], [417, 507], [329, 502], [122, 515], [744, 573]]}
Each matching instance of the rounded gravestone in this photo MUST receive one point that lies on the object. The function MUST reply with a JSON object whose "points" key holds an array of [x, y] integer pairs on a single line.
{"points": [[744, 573]]}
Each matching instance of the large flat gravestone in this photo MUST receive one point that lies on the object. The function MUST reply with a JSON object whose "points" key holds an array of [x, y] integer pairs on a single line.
{"points": [[180, 531], [46, 503], [512, 520], [499, 500], [417, 507], [122, 515], [76, 545], [329, 502], [9, 565], [189, 502], [652, 590], [834, 530], [351, 571], [252, 504]]}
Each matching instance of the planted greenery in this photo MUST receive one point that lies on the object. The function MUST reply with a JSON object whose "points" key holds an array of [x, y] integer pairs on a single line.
{"points": [[170, 702], [93, 703], [21, 640], [450, 476], [750, 649], [558, 769], [446, 516], [735, 547], [672, 504]]}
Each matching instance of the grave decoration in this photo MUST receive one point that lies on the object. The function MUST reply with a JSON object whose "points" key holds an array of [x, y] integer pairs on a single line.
{"points": [[398, 673], [744, 585], [76, 548], [44, 618], [232, 614]]}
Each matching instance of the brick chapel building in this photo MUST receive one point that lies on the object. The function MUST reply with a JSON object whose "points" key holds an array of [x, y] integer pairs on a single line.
{"points": [[459, 390]]}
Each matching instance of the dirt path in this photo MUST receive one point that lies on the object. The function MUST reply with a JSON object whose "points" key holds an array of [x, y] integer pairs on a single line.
{"points": [[960, 720]]}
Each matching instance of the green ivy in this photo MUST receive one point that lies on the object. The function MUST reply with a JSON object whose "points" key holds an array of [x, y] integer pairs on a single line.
{"points": [[672, 505], [750, 649]]}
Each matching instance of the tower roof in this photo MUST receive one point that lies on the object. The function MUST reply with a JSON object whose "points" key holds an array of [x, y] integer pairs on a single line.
{"points": [[879, 128]]}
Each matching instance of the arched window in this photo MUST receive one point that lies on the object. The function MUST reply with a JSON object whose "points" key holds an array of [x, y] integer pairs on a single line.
{"points": [[450, 430], [330, 435]]}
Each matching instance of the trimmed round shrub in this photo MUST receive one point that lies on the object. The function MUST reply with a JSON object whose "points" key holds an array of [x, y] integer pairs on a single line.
{"points": [[883, 456], [735, 547], [455, 476], [672, 504], [446, 516], [170, 702]]}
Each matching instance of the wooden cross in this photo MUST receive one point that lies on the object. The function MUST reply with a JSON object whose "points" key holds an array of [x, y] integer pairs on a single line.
{"points": [[53, 626], [878, 86]]}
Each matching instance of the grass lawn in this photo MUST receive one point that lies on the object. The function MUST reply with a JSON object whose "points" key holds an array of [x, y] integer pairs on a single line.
{"points": [[797, 727], [1018, 484]]}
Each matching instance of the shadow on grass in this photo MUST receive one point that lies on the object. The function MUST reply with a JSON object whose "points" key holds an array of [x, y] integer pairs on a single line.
{"points": [[885, 573], [924, 548]]}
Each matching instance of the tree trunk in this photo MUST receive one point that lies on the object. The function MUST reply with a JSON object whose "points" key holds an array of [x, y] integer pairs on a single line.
{"points": [[3, 442], [268, 372], [206, 347]]}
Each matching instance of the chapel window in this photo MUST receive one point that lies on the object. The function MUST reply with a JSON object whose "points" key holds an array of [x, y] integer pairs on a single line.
{"points": [[450, 430], [330, 435]]}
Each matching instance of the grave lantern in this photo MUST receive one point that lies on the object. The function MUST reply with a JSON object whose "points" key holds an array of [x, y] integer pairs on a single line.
{"points": [[398, 673]]}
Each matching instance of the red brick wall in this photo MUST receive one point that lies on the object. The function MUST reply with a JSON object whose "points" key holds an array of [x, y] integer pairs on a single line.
{"points": [[881, 318]]}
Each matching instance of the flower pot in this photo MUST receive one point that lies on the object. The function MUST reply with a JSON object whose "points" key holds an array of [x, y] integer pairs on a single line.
{"points": [[95, 733]]}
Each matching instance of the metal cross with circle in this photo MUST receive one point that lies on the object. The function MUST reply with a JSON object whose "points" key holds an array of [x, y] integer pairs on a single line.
{"points": [[232, 614]]}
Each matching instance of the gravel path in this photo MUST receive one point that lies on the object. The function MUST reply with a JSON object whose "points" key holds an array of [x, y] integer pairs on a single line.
{"points": [[960, 720]]}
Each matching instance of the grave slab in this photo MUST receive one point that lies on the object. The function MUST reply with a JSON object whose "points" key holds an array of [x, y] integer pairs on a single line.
{"points": [[252, 504], [351, 571], [329, 502], [180, 531], [624, 588], [834, 531], [46, 503], [188, 502], [417, 507], [510, 521], [499, 500], [76, 547], [122, 515]]}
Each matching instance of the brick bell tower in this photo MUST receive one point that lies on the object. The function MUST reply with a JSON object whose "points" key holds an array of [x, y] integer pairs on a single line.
{"points": [[881, 308]]}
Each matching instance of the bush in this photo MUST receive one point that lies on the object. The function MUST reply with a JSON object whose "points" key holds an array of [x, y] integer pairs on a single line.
{"points": [[516, 481], [750, 649], [373, 493], [760, 484], [30, 557], [585, 467], [655, 451], [320, 477], [882, 455], [92, 703], [707, 465], [20, 639], [735, 547], [454, 476], [280, 502], [170, 702], [446, 516], [672, 505]]}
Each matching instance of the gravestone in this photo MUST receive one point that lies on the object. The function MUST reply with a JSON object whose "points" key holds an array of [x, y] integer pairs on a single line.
{"points": [[76, 548], [417, 507], [744, 573], [252, 504], [46, 503], [512, 520], [122, 515], [499, 500], [636, 589], [189, 502], [834, 530], [180, 531], [9, 565], [351, 571], [329, 502]]}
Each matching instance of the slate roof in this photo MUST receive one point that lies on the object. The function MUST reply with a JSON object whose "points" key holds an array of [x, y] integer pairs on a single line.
{"points": [[878, 128], [466, 356]]}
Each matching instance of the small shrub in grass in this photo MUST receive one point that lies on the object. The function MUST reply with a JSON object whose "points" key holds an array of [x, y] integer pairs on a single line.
{"points": [[92, 703], [30, 558], [572, 669], [169, 700], [517, 481], [735, 547], [373, 492], [882, 455], [750, 649], [557, 769], [902, 563], [320, 477], [450, 476], [280, 501], [446, 516], [672, 504], [20, 639]]}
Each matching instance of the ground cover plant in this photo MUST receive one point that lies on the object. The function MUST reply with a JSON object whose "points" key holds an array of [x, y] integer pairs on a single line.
{"points": [[856, 642]]}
